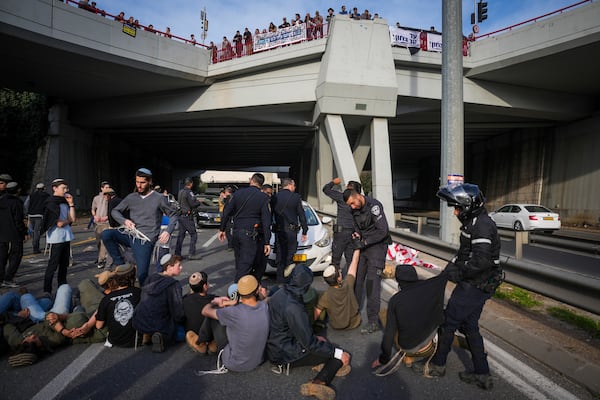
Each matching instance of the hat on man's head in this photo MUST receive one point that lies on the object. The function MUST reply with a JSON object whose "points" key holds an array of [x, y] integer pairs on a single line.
{"points": [[406, 273], [40, 186], [103, 277], [247, 285], [107, 190], [196, 278], [58, 181], [232, 292], [5, 178], [288, 270], [124, 269], [145, 172], [12, 185], [165, 259], [329, 271]]}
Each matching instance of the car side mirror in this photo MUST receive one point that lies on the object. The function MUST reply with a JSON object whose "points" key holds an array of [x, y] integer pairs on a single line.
{"points": [[326, 220]]}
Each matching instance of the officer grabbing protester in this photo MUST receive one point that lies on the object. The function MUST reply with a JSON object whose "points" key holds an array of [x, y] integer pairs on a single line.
{"points": [[371, 236]]}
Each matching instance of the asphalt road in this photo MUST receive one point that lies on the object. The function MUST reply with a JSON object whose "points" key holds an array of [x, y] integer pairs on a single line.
{"points": [[97, 372]]}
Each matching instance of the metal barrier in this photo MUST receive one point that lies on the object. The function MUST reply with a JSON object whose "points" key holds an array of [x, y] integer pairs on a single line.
{"points": [[578, 290]]}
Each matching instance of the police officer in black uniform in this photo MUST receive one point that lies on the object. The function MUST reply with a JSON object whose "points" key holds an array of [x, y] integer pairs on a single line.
{"points": [[344, 227], [187, 202], [372, 237], [289, 219], [477, 273], [249, 210]]}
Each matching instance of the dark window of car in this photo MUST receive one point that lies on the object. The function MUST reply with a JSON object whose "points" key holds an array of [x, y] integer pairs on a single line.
{"points": [[534, 209], [515, 209], [311, 217], [504, 209]]}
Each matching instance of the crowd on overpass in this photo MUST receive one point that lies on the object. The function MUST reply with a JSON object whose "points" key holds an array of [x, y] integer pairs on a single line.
{"points": [[136, 303]]}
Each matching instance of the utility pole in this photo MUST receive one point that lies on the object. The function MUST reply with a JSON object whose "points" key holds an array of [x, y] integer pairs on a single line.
{"points": [[452, 140], [204, 23]]}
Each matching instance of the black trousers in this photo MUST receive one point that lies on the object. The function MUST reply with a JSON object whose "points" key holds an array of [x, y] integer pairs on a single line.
{"points": [[186, 224], [249, 254], [59, 259], [332, 365], [342, 245], [286, 245], [11, 253]]}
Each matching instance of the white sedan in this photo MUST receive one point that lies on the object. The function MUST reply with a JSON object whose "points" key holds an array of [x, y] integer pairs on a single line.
{"points": [[526, 217], [316, 251]]}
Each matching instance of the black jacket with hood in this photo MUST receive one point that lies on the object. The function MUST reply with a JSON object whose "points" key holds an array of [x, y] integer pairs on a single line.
{"points": [[160, 307], [291, 337]]}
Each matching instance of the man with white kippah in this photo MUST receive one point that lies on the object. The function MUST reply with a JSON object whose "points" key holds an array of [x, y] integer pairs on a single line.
{"points": [[339, 300], [142, 228]]}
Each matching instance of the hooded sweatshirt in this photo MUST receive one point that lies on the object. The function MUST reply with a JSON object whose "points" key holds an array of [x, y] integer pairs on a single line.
{"points": [[291, 337], [160, 307]]}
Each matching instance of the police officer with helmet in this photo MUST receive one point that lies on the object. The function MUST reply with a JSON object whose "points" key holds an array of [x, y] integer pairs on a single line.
{"points": [[249, 210], [477, 273], [187, 202]]}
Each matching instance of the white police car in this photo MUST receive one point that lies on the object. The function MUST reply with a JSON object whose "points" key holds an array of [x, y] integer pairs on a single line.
{"points": [[316, 251]]}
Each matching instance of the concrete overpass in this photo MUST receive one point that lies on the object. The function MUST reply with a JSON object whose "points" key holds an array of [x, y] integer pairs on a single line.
{"points": [[328, 107]]}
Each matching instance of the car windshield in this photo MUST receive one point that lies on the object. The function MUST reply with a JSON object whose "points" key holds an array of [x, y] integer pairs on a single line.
{"points": [[311, 217], [534, 209]]}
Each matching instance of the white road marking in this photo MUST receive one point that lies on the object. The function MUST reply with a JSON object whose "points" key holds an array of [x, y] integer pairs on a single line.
{"points": [[524, 378], [211, 240], [59, 383]]}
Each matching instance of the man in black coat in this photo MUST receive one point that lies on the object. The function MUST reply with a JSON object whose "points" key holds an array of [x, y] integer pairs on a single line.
{"points": [[289, 219], [12, 233]]}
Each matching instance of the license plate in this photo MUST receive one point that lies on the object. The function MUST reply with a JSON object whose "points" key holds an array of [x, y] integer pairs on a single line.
{"points": [[217, 219], [548, 219], [299, 257]]}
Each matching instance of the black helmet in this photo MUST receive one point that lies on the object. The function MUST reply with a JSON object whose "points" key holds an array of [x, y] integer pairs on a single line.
{"points": [[465, 196]]}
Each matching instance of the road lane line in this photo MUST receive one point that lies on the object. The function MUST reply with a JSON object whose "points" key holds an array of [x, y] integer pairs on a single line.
{"points": [[532, 383], [59, 383], [211, 240]]}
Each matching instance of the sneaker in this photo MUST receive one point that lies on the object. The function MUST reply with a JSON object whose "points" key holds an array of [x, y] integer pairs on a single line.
{"points": [[484, 381], [370, 328], [320, 391], [212, 347], [158, 344], [22, 359], [101, 264], [10, 284], [428, 369], [191, 338], [343, 371]]}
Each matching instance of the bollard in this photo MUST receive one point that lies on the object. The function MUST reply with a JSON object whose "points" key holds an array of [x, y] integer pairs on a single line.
{"points": [[420, 221], [521, 238]]}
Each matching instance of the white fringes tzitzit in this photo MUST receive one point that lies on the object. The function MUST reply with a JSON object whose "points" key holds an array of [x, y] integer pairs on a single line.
{"points": [[133, 233], [221, 369]]}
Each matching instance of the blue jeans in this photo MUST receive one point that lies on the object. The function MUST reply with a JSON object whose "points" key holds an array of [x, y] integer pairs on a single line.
{"points": [[9, 301], [38, 307], [142, 252]]}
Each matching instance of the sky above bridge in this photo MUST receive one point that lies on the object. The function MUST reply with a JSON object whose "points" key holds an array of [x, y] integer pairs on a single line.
{"points": [[227, 16]]}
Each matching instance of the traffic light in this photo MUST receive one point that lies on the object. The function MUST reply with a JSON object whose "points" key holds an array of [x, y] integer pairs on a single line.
{"points": [[472, 18], [482, 11]]}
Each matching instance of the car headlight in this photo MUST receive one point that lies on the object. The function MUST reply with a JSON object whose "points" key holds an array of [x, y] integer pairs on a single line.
{"points": [[203, 214], [324, 241]]}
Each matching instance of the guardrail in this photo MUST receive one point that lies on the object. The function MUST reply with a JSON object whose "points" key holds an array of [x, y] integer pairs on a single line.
{"points": [[578, 290]]}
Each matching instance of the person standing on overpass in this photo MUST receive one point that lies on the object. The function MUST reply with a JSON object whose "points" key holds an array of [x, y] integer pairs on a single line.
{"points": [[249, 209]]}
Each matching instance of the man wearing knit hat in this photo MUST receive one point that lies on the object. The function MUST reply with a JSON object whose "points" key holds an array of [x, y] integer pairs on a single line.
{"points": [[246, 324]]}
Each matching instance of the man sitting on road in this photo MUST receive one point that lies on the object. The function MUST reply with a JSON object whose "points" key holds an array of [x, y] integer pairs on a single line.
{"points": [[339, 300]]}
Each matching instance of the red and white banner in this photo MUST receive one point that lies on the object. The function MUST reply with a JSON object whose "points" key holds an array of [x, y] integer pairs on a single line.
{"points": [[407, 256]]}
